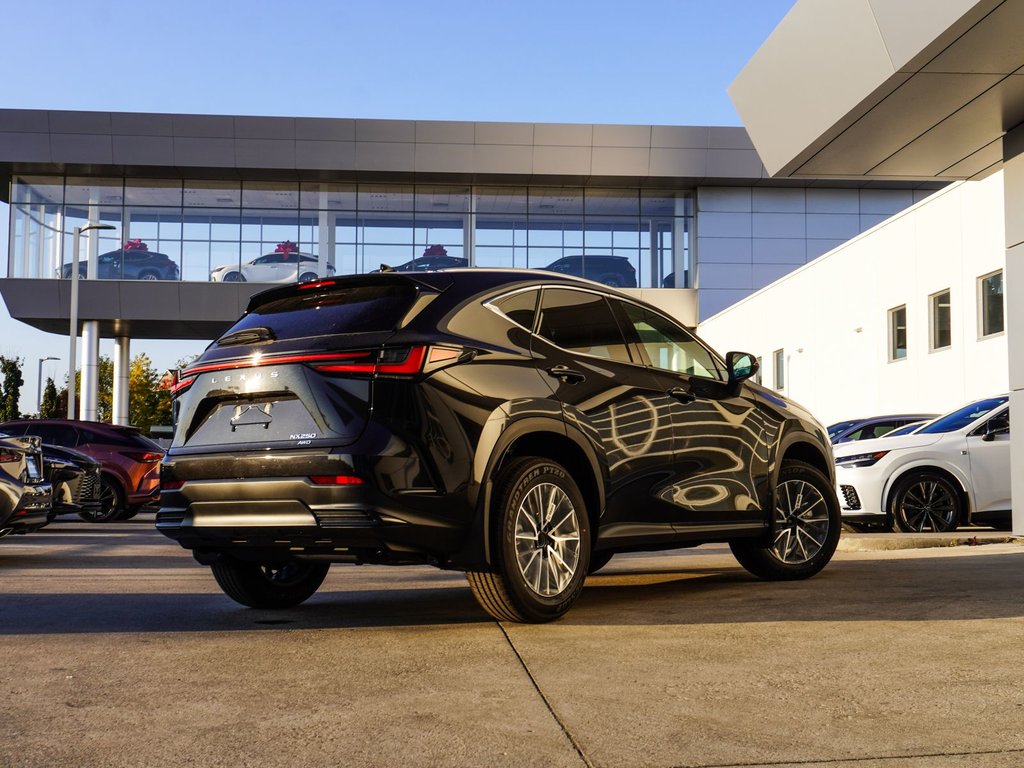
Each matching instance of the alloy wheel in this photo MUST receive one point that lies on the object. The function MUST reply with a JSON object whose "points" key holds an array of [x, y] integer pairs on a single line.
{"points": [[801, 522], [928, 505], [547, 539]]}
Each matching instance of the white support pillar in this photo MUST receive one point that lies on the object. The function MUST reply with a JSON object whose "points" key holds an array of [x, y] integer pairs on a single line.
{"points": [[122, 365], [90, 370], [469, 231], [1013, 285], [93, 241]]}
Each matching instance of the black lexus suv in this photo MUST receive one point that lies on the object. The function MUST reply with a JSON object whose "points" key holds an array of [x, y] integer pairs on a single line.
{"points": [[517, 425]]}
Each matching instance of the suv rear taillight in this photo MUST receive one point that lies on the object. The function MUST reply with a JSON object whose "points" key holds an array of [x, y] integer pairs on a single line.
{"points": [[401, 361]]}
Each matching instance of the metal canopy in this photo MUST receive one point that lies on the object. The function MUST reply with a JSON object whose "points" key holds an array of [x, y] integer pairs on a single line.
{"points": [[898, 89]]}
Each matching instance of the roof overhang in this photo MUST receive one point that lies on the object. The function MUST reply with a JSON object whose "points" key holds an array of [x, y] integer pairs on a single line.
{"points": [[896, 89]]}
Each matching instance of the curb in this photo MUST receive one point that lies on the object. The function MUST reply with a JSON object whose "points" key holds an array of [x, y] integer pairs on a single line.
{"points": [[882, 542]]}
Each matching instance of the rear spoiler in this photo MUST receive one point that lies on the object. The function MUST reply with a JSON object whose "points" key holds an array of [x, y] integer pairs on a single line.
{"points": [[435, 282]]}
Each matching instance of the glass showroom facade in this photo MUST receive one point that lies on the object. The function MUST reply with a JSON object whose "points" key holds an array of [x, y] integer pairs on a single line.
{"points": [[203, 226]]}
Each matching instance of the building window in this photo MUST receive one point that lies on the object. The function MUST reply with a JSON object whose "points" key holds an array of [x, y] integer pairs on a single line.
{"points": [[779, 364], [941, 334], [990, 303], [898, 333]]}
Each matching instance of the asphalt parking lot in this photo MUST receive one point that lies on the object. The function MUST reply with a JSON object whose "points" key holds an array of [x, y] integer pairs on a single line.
{"points": [[118, 650]]}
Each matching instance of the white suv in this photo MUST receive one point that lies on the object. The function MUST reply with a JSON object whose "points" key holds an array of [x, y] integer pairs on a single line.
{"points": [[951, 471]]}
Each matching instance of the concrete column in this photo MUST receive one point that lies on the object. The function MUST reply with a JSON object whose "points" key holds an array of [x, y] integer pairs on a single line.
{"points": [[122, 365], [469, 231], [93, 237], [1013, 281], [683, 255], [90, 370]]}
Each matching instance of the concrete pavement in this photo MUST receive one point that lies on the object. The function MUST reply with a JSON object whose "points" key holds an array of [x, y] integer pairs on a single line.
{"points": [[120, 651]]}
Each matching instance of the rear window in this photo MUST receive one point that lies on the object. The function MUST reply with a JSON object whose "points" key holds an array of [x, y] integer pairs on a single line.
{"points": [[357, 309]]}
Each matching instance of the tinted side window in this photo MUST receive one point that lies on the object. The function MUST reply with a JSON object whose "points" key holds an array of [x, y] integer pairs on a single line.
{"points": [[520, 308], [669, 346], [54, 434], [581, 322]]}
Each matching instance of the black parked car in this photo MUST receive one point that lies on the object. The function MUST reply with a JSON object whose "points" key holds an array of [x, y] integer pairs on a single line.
{"points": [[520, 426], [129, 264], [75, 479], [615, 271], [24, 492]]}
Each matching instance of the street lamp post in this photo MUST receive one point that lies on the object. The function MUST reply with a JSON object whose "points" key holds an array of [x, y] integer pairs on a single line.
{"points": [[73, 320], [39, 392]]}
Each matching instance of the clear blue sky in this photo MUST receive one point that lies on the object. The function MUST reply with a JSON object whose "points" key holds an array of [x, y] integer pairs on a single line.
{"points": [[654, 62]]}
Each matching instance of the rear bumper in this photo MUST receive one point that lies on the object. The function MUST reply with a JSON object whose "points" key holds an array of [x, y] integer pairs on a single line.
{"points": [[291, 517], [33, 511]]}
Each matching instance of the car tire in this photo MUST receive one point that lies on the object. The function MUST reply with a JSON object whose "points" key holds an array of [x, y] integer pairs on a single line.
{"points": [[308, 276], [149, 275], [926, 502], [540, 544], [599, 560], [807, 524], [279, 585], [612, 281], [234, 277], [111, 502]]}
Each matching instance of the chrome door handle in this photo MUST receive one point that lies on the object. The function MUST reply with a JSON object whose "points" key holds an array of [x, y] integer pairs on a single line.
{"points": [[682, 395], [566, 375]]}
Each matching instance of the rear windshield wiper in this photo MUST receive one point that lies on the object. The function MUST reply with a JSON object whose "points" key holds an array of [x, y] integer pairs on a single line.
{"points": [[247, 336]]}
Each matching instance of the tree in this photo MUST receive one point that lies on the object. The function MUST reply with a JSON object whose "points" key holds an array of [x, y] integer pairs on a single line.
{"points": [[10, 392], [148, 402], [50, 408]]}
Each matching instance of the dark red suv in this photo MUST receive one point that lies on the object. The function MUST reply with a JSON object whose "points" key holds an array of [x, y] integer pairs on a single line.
{"points": [[131, 462]]}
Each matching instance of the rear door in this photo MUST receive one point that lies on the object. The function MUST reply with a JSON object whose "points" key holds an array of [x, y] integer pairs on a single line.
{"points": [[610, 396]]}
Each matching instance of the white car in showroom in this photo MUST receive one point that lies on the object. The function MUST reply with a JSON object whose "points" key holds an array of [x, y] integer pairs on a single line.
{"points": [[952, 471], [281, 266]]}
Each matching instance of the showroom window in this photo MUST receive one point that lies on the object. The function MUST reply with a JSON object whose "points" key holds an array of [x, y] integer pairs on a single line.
{"points": [[779, 360], [216, 229], [898, 333], [990, 303], [941, 331]]}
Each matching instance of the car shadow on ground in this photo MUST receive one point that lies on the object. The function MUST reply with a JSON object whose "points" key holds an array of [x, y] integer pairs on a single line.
{"points": [[918, 589]]}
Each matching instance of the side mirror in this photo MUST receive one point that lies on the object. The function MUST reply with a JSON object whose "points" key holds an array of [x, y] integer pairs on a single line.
{"points": [[991, 430], [741, 365]]}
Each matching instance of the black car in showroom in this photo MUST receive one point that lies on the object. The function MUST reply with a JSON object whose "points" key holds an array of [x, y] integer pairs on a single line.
{"points": [[129, 264], [616, 271], [24, 492], [520, 426]]}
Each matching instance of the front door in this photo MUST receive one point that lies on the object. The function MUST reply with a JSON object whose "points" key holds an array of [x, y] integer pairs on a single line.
{"points": [[719, 455], [990, 463]]}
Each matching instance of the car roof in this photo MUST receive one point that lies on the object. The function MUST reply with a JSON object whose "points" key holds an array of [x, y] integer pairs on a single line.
{"points": [[465, 281]]}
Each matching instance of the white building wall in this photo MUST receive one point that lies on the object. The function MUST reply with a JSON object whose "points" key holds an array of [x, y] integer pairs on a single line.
{"points": [[831, 316]]}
